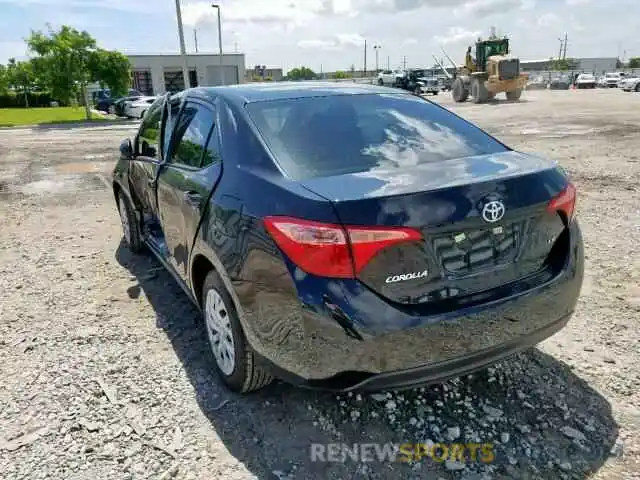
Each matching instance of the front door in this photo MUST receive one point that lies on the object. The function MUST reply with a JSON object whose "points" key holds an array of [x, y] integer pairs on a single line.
{"points": [[144, 168], [187, 180]]}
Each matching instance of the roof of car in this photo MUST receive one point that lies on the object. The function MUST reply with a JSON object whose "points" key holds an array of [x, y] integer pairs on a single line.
{"points": [[257, 92]]}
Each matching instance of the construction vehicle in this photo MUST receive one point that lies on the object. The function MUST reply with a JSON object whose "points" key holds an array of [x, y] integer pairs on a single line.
{"points": [[491, 71]]}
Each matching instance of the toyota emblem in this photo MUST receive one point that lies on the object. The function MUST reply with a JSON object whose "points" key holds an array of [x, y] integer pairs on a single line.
{"points": [[493, 211]]}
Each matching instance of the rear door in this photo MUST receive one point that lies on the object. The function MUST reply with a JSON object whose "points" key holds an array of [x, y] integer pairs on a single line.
{"points": [[186, 181]]}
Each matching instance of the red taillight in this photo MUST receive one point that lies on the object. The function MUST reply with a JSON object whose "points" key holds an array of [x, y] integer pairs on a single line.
{"points": [[330, 250], [565, 201]]}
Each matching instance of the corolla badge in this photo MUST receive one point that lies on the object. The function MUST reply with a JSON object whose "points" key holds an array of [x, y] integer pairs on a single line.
{"points": [[493, 211], [406, 276]]}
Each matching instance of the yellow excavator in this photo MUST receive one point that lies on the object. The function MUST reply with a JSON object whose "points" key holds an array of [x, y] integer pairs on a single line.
{"points": [[493, 70]]}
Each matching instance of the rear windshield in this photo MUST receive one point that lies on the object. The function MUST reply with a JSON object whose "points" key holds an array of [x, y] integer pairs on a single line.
{"points": [[338, 134]]}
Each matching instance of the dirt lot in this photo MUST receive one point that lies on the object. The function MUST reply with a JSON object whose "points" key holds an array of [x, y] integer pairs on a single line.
{"points": [[106, 373]]}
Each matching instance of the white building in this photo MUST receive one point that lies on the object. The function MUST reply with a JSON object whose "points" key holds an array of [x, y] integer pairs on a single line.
{"points": [[157, 74]]}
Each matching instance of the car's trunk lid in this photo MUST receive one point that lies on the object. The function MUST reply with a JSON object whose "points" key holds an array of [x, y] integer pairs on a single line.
{"points": [[468, 247]]}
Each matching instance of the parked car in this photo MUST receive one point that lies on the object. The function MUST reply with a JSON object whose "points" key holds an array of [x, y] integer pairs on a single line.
{"points": [[138, 108], [390, 78], [425, 86], [630, 84], [104, 100], [537, 83], [612, 78], [586, 80], [601, 82], [349, 238], [117, 108], [560, 82], [415, 81]]}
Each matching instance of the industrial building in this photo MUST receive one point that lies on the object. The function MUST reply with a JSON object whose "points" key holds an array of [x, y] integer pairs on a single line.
{"points": [[160, 73]]}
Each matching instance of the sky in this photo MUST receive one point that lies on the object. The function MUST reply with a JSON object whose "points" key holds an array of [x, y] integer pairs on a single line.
{"points": [[329, 35]]}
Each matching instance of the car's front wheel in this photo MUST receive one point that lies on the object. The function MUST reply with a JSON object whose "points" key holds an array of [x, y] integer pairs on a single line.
{"points": [[130, 228], [235, 362]]}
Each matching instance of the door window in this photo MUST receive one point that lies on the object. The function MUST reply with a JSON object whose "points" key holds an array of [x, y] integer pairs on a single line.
{"points": [[149, 136], [192, 145]]}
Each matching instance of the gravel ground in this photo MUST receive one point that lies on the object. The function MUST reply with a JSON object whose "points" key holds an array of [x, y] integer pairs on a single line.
{"points": [[106, 374]]}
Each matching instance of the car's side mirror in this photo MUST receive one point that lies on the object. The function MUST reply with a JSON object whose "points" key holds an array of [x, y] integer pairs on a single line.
{"points": [[126, 149]]}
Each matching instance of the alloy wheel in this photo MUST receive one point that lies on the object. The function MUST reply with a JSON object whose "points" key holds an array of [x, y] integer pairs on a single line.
{"points": [[219, 332]]}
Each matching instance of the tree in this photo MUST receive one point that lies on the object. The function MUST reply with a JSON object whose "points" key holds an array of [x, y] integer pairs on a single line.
{"points": [[4, 80], [301, 73], [67, 60], [111, 69], [634, 62], [341, 74], [21, 77], [563, 64]]}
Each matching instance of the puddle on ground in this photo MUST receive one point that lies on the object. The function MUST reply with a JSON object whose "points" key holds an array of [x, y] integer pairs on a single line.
{"points": [[65, 178], [557, 131], [84, 167]]}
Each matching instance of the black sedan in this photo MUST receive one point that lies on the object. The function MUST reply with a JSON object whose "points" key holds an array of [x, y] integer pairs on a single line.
{"points": [[348, 236]]}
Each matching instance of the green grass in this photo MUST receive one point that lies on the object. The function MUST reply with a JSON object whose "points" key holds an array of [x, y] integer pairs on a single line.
{"points": [[11, 117]]}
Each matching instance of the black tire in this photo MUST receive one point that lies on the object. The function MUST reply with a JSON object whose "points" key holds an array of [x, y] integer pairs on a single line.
{"points": [[435, 93], [247, 375], [418, 92], [459, 91], [479, 92], [514, 96], [637, 87], [132, 236], [380, 82]]}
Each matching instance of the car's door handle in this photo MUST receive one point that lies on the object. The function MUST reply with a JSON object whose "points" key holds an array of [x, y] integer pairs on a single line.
{"points": [[192, 198]]}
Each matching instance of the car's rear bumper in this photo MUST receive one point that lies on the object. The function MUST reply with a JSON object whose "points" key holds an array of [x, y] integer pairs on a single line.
{"points": [[356, 340], [426, 374]]}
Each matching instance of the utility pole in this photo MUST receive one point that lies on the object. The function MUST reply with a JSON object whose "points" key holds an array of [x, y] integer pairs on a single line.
{"points": [[377, 49], [217, 7], [564, 55], [364, 70], [388, 62], [404, 62], [561, 47], [183, 50], [195, 38]]}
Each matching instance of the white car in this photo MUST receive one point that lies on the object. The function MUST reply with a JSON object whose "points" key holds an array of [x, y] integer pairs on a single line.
{"points": [[630, 84], [138, 108], [613, 78], [586, 80], [390, 78]]}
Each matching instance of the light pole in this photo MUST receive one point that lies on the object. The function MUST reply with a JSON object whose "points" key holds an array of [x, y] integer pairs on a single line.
{"points": [[217, 7], [377, 48], [183, 50]]}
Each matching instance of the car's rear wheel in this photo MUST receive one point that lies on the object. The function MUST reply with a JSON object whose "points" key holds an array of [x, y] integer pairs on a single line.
{"points": [[130, 228], [380, 82], [638, 87], [235, 362]]}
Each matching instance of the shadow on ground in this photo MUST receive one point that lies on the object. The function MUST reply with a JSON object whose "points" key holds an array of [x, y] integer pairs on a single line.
{"points": [[273, 429]]}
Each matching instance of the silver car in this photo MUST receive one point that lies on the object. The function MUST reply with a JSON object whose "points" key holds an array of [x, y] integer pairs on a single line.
{"points": [[631, 84]]}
